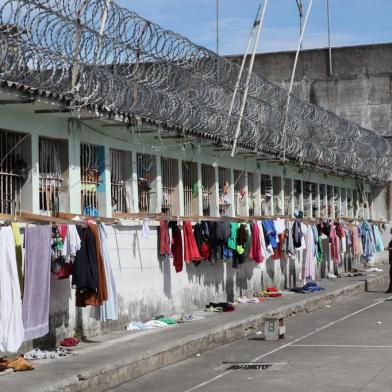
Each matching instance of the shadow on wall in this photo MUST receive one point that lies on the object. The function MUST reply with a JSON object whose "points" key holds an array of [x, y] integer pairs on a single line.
{"points": [[213, 276], [60, 294]]}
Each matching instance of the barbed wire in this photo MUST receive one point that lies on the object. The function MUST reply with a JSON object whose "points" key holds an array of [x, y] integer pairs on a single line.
{"points": [[137, 68]]}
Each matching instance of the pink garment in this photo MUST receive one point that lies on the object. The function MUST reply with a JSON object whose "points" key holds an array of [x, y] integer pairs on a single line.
{"points": [[334, 240], [356, 242], [256, 253], [310, 262]]}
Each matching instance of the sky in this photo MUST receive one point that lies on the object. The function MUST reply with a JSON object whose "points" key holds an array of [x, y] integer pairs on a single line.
{"points": [[353, 22]]}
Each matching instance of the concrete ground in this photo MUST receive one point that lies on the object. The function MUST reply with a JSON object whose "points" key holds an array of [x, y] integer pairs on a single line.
{"points": [[343, 347], [107, 361]]}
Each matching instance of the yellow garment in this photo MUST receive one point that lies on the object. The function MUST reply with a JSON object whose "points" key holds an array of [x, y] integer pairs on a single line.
{"points": [[19, 364], [18, 252]]}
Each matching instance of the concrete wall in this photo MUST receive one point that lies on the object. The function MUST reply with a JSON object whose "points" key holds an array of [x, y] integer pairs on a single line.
{"points": [[359, 88]]}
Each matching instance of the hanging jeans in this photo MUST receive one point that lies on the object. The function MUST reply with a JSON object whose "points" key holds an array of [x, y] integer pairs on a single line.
{"points": [[11, 323]]}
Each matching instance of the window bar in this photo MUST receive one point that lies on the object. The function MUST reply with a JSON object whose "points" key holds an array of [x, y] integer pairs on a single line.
{"points": [[50, 176], [224, 189], [207, 182], [189, 179], [251, 194], [145, 166], [118, 179], [89, 178], [12, 172], [168, 170], [240, 193]]}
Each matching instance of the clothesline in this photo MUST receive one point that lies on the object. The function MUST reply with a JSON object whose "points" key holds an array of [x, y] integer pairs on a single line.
{"points": [[67, 218]]}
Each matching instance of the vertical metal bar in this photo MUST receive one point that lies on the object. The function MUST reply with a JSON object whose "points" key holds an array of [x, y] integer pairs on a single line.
{"points": [[247, 83]]}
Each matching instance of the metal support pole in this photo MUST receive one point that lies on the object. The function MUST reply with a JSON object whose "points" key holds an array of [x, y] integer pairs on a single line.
{"points": [[252, 60], [292, 80]]}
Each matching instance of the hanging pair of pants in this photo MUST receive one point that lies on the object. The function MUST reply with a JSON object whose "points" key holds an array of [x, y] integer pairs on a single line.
{"points": [[11, 321]]}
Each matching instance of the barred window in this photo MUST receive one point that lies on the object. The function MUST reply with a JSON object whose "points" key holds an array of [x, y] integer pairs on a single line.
{"points": [[266, 194], [169, 182], [252, 193], [120, 190], [277, 195], [315, 201], [240, 193], [323, 201], [50, 176], [288, 196], [146, 176], [208, 185], [224, 190], [307, 198], [191, 187], [13, 171], [90, 160]]}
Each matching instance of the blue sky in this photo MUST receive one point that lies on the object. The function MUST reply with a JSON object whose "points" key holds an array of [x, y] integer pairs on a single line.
{"points": [[353, 22]]}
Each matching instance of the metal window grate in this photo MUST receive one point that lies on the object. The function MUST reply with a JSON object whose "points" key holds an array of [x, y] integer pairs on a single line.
{"points": [[266, 194], [118, 181], [169, 170], [13, 171], [239, 192], [250, 366], [288, 196], [307, 198], [89, 166], [315, 201], [208, 184], [50, 176], [251, 194], [224, 190], [189, 180], [277, 195], [145, 175]]}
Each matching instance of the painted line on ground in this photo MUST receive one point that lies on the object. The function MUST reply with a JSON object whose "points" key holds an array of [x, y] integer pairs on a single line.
{"points": [[338, 346], [203, 384]]}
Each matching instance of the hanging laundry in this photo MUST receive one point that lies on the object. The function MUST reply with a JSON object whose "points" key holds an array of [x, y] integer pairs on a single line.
{"points": [[334, 240], [368, 244], [232, 240], [316, 240], [256, 252], [288, 246], [145, 229], [164, 238], [37, 281], [356, 241], [270, 234], [11, 323], [239, 252], [109, 309], [297, 234], [18, 253], [309, 264], [176, 247], [267, 251], [215, 245], [72, 244], [191, 252], [97, 298], [379, 243]]}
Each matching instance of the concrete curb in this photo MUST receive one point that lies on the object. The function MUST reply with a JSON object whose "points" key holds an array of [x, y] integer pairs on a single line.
{"points": [[104, 377]]}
